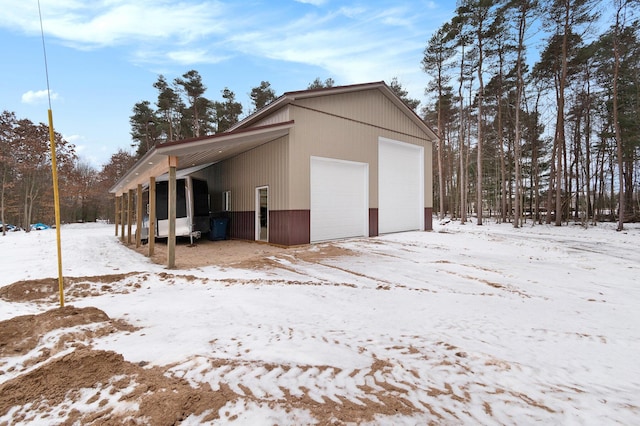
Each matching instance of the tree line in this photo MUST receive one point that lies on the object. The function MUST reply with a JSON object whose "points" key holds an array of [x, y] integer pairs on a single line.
{"points": [[553, 140], [26, 185]]}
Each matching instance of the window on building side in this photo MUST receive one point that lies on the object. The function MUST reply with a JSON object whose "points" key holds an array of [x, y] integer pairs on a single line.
{"points": [[226, 201]]}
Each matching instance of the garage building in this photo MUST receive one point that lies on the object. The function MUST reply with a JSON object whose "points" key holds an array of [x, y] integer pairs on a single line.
{"points": [[314, 165]]}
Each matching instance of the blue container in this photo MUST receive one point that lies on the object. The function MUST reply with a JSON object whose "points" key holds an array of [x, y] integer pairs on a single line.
{"points": [[218, 229]]}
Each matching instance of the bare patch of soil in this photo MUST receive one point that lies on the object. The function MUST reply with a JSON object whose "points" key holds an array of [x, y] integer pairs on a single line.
{"points": [[205, 252], [239, 254]]}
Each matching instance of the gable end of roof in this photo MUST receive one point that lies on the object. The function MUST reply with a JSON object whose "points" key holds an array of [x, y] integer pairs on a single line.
{"points": [[289, 97]]}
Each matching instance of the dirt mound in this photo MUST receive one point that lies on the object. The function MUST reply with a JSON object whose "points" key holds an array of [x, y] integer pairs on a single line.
{"points": [[21, 334], [120, 391], [44, 388], [47, 288]]}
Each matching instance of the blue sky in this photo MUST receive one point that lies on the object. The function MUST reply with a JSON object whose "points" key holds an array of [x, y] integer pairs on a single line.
{"points": [[104, 55]]}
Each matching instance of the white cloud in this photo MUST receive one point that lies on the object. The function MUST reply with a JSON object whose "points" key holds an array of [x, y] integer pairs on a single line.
{"points": [[37, 97], [187, 57], [312, 2], [354, 45], [85, 151], [115, 22], [74, 139], [352, 12]]}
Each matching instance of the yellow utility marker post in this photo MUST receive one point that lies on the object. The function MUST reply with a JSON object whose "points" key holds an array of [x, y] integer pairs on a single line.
{"points": [[54, 170], [56, 202]]}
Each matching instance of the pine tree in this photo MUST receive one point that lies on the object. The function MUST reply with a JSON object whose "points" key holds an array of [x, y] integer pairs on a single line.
{"points": [[192, 87], [227, 112], [400, 92], [436, 61], [262, 95]]}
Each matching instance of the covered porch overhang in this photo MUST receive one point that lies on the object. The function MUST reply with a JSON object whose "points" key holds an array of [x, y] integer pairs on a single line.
{"points": [[170, 157], [196, 152]]}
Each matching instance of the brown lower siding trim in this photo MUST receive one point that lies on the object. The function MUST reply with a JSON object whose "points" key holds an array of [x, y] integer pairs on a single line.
{"points": [[286, 227], [373, 222], [428, 218], [289, 227], [242, 225]]}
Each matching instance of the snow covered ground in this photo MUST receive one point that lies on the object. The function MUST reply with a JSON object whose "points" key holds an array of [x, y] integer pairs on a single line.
{"points": [[464, 325]]}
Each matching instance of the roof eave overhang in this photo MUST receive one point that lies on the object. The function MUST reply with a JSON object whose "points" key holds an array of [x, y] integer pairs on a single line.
{"points": [[197, 151]]}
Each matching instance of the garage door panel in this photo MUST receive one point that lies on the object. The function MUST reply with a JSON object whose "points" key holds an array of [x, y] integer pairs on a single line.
{"points": [[400, 186], [339, 200]]}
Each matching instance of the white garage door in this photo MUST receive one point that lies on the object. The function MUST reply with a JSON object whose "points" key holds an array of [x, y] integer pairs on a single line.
{"points": [[400, 186], [339, 199]]}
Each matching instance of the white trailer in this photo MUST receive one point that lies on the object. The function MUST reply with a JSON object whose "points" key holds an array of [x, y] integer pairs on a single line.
{"points": [[192, 207]]}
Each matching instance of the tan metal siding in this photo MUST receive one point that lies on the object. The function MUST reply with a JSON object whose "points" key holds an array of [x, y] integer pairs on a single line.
{"points": [[347, 127], [369, 106], [279, 116], [265, 165]]}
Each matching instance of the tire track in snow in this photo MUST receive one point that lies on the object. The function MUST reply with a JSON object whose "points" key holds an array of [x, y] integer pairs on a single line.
{"points": [[429, 380]]}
